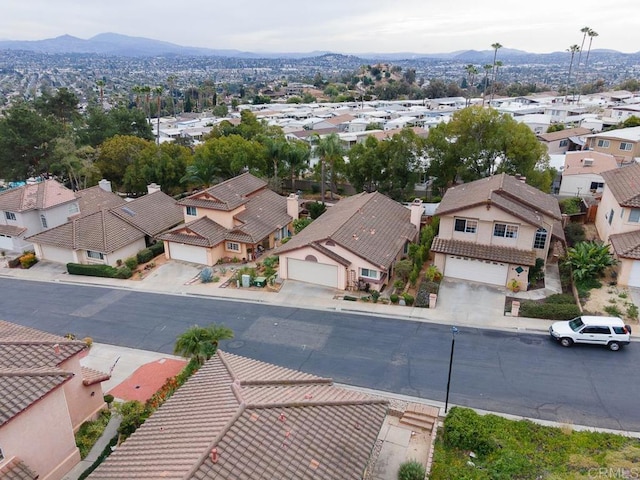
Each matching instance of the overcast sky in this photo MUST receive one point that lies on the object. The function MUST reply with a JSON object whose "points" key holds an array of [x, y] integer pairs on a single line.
{"points": [[342, 26]]}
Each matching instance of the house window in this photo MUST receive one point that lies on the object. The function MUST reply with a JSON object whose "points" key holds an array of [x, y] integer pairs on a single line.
{"points": [[634, 215], [466, 226], [564, 143], [192, 211], [505, 231], [43, 220], [10, 215], [610, 216], [233, 246], [1, 455], [626, 146], [95, 255], [603, 143], [540, 239], [73, 208], [595, 186], [369, 273]]}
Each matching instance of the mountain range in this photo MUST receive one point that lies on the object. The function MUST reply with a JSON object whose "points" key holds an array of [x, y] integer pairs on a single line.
{"points": [[128, 46]]}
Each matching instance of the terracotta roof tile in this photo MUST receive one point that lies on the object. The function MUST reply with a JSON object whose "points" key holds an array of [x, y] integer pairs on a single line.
{"points": [[91, 376], [152, 214], [566, 133], [15, 469], [11, 230], [94, 199], [370, 225], [626, 245], [484, 252], [262, 421], [624, 184], [40, 196], [265, 212], [227, 195], [202, 232]]}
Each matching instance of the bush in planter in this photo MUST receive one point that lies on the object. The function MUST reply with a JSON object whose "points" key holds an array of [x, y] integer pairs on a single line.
{"points": [[206, 275], [394, 298], [411, 470], [408, 299], [157, 248], [28, 260], [144, 256], [131, 262], [123, 272]]}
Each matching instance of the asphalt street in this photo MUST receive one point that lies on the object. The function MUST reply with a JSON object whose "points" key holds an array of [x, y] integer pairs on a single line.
{"points": [[517, 373]]}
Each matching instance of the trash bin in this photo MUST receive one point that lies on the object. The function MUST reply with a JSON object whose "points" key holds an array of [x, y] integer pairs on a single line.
{"points": [[260, 281]]}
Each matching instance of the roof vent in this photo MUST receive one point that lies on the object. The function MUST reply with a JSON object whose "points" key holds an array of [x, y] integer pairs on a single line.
{"points": [[587, 162], [128, 211]]}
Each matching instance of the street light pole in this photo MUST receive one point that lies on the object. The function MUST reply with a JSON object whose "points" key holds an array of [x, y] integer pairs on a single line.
{"points": [[454, 330]]}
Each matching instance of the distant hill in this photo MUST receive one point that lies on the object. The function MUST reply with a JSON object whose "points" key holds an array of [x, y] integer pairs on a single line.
{"points": [[128, 46]]}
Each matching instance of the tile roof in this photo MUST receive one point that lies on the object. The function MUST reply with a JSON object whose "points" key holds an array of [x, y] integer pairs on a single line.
{"points": [[202, 232], [29, 366], [12, 230], [91, 376], [484, 252], [94, 199], [152, 214], [227, 195], [626, 245], [566, 133], [574, 163], [624, 184], [371, 225], [17, 470], [259, 420], [265, 212], [40, 196], [504, 191]]}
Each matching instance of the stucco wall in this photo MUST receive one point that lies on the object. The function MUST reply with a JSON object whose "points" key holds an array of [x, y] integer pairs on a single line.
{"points": [[84, 402], [578, 184], [220, 217], [620, 220]]}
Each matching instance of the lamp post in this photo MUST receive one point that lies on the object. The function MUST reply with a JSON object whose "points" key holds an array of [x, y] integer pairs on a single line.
{"points": [[454, 330]]}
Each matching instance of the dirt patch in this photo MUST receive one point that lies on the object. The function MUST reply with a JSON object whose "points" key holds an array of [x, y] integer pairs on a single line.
{"points": [[144, 269], [611, 300]]}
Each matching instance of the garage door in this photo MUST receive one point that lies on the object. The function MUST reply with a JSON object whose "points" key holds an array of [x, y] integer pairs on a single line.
{"points": [[634, 276], [6, 242], [312, 272], [57, 254], [188, 253], [476, 270]]}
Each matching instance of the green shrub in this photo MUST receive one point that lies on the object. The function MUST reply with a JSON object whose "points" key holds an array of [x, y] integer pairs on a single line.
{"points": [[157, 248], [394, 298], [91, 270], [537, 271], [399, 285], [433, 274], [550, 311], [583, 286], [613, 310], [560, 298], [108, 399], [632, 311], [408, 299], [574, 233], [28, 260], [285, 240], [133, 415], [350, 298], [375, 295], [206, 275], [465, 430], [104, 454], [145, 255], [270, 262], [413, 276], [123, 272], [411, 471], [90, 431], [571, 205], [131, 262]]}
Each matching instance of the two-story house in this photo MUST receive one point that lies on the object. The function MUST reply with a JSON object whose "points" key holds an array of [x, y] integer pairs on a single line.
{"points": [[623, 143], [582, 172], [46, 394], [493, 230], [618, 220], [238, 218], [563, 141], [31, 209]]}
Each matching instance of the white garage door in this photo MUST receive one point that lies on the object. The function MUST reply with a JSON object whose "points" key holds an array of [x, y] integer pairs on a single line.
{"points": [[56, 254], [188, 253], [312, 272], [634, 276], [6, 242], [476, 270]]}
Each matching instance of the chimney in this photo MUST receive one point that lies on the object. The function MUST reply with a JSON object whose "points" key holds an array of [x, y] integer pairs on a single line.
{"points": [[105, 185], [416, 212], [153, 188], [292, 206]]}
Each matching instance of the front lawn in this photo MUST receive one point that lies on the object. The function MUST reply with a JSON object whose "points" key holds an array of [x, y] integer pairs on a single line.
{"points": [[507, 449]]}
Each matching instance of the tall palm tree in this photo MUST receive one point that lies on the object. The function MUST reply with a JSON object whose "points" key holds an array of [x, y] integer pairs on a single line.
{"points": [[496, 46], [485, 82], [201, 343], [100, 84], [573, 49], [591, 34], [472, 71], [171, 80], [329, 149], [585, 31], [158, 93], [495, 80]]}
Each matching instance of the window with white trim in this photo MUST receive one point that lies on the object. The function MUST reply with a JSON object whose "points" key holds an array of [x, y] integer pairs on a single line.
{"points": [[626, 146], [563, 143], [604, 143], [43, 221], [10, 216], [233, 246], [634, 215], [95, 255], [540, 239], [192, 211], [505, 230], [465, 225], [73, 208], [369, 273]]}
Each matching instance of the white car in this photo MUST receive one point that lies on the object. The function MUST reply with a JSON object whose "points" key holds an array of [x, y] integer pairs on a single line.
{"points": [[609, 331]]}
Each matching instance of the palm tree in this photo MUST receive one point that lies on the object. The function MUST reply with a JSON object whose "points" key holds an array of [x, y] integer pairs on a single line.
{"points": [[573, 49], [498, 65], [171, 80], [496, 46], [201, 343], [146, 89], [485, 82], [591, 34], [472, 71], [100, 84], [296, 156], [585, 31], [158, 92], [329, 149]]}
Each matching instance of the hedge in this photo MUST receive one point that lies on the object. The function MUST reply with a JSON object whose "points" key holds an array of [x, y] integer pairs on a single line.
{"points": [[550, 311], [157, 248], [145, 255], [124, 272], [91, 270], [131, 262]]}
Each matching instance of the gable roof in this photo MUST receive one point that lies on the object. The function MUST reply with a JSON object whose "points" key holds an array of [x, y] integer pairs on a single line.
{"points": [[371, 225], [626, 245], [202, 232], [152, 214], [29, 366], [624, 184], [227, 195], [262, 421], [17, 470], [94, 199], [505, 192], [562, 134], [38, 196]]}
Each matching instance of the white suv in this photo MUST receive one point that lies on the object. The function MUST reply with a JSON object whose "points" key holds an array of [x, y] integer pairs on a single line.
{"points": [[609, 331]]}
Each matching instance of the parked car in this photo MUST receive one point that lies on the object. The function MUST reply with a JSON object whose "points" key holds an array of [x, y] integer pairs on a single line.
{"points": [[609, 331]]}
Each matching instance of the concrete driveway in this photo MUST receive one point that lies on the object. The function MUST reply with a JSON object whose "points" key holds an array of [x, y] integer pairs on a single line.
{"points": [[471, 303]]}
